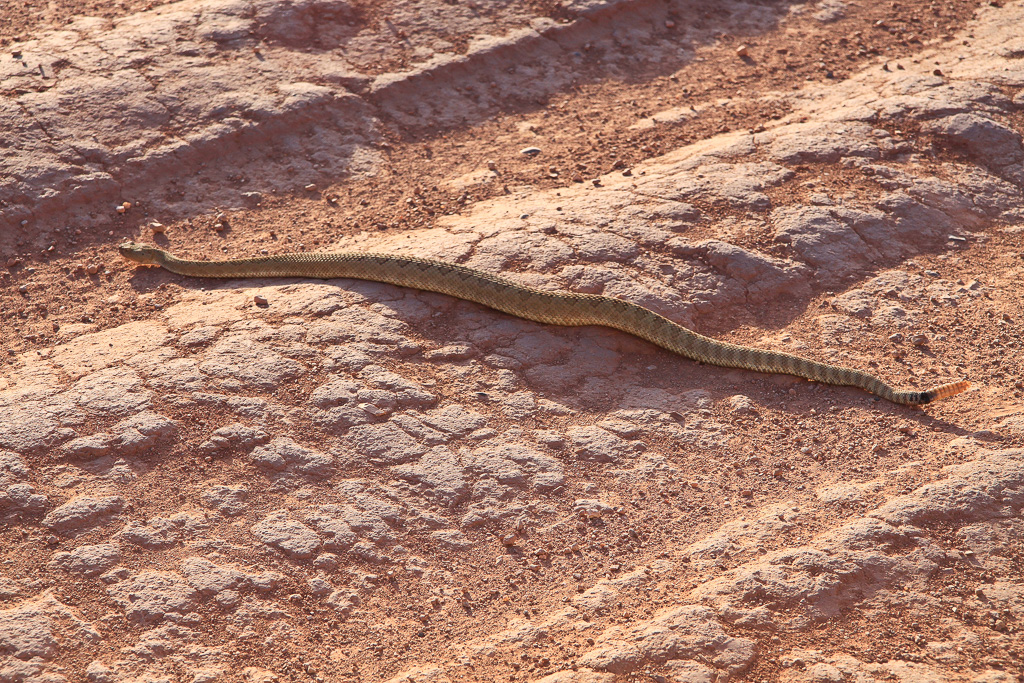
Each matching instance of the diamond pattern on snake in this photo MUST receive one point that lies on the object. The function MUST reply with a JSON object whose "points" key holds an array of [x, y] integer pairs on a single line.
{"points": [[553, 308]]}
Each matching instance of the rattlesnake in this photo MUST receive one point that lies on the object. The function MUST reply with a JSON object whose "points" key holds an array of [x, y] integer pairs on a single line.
{"points": [[556, 308]]}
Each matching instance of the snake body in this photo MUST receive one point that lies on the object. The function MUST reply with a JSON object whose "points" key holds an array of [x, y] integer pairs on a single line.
{"points": [[555, 308]]}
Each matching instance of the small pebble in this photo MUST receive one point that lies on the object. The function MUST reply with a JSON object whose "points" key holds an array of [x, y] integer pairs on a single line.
{"points": [[158, 227], [92, 268], [530, 151], [311, 187], [23, 289], [372, 410], [260, 300], [669, 23], [743, 51], [919, 339], [218, 226], [492, 166]]}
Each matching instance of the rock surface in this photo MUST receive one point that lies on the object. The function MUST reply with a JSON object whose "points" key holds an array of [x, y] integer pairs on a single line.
{"points": [[349, 480]]}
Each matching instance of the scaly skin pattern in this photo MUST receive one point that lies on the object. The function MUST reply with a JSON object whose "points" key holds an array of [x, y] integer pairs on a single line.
{"points": [[554, 308]]}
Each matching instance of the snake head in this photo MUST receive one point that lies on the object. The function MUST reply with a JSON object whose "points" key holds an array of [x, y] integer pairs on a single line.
{"points": [[141, 253]]}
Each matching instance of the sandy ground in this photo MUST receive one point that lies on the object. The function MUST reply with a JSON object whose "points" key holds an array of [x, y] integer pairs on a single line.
{"points": [[349, 481]]}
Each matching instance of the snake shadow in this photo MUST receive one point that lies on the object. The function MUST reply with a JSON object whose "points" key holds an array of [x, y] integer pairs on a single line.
{"points": [[576, 379]]}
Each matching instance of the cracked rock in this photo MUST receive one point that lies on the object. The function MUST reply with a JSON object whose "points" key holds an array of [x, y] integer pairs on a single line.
{"points": [[329, 520], [83, 512], [12, 468], [35, 631], [284, 454], [158, 533], [209, 578], [23, 499], [680, 633], [385, 444], [454, 419], [594, 443], [980, 135], [153, 597], [242, 362], [137, 435], [87, 560], [441, 474], [234, 436], [287, 535], [228, 500], [516, 465], [363, 523], [338, 391]]}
